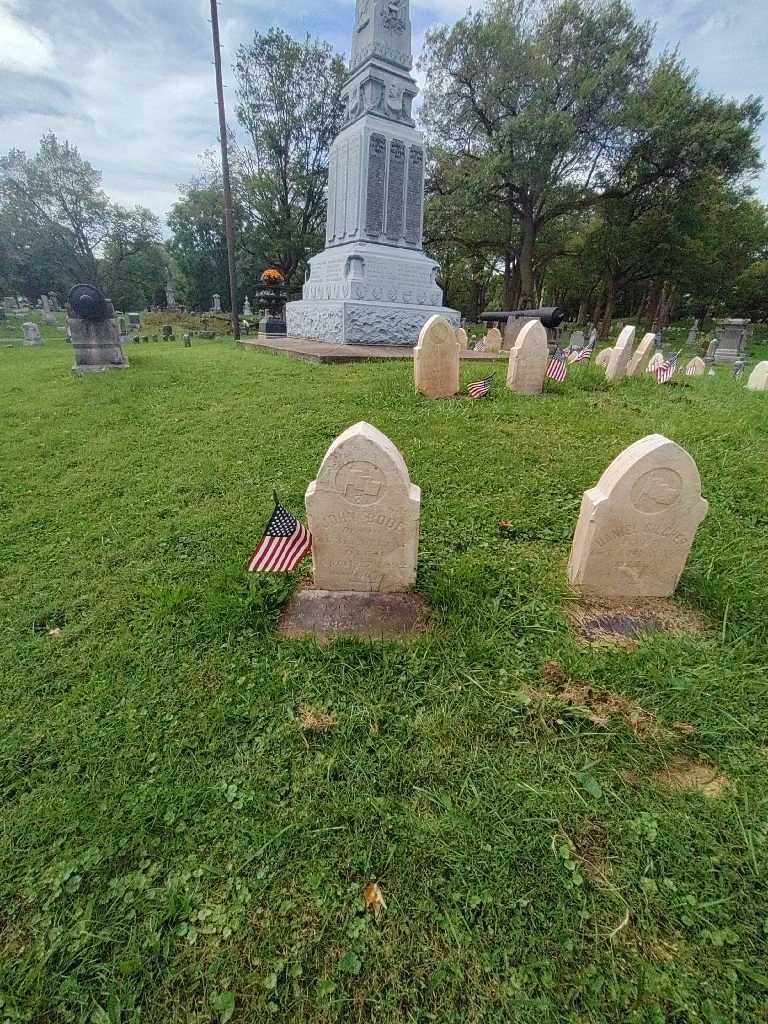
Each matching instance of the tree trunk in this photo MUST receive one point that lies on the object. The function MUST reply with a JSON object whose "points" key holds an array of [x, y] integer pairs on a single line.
{"points": [[581, 313], [652, 304], [610, 299], [507, 279], [658, 314], [527, 283]]}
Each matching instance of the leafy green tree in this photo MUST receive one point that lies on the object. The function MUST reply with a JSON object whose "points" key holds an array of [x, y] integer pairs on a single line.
{"points": [[289, 105], [199, 243], [547, 109], [135, 259]]}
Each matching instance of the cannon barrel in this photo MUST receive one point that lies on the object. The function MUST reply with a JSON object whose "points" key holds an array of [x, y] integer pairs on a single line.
{"points": [[88, 303], [550, 316]]}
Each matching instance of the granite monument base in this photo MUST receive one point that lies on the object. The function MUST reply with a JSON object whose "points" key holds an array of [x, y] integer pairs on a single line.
{"points": [[272, 326], [96, 345], [347, 322]]}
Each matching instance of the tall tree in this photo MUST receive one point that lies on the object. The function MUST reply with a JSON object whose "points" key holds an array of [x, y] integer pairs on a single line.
{"points": [[547, 108], [289, 104], [59, 194], [199, 243]]}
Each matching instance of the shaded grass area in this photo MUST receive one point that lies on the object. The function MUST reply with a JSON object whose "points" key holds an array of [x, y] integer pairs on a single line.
{"points": [[176, 844]]}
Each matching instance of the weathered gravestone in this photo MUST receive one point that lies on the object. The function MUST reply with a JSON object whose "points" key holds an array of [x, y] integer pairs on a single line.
{"points": [[94, 331], [363, 514], [637, 525], [493, 340], [48, 315], [462, 340], [436, 359], [602, 357], [621, 354], [247, 311], [577, 341], [216, 304], [655, 361], [732, 337], [709, 358], [31, 334], [167, 332], [758, 379], [696, 367], [528, 360], [642, 355], [187, 340]]}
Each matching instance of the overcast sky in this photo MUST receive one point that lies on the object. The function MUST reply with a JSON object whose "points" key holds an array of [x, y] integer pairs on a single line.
{"points": [[131, 81]]}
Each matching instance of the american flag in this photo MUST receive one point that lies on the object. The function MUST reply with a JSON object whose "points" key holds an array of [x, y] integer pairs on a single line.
{"points": [[284, 544], [480, 388], [480, 345], [738, 370], [666, 370], [581, 355], [557, 368]]}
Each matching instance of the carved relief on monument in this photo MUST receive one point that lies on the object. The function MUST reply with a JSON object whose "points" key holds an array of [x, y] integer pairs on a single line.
{"points": [[414, 196], [341, 188], [393, 15], [353, 190], [377, 158]]}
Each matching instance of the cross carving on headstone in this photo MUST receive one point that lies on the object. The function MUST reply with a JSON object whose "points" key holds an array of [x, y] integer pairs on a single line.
{"points": [[360, 484]]}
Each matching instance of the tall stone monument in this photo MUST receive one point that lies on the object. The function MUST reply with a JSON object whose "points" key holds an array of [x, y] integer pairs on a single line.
{"points": [[372, 284]]}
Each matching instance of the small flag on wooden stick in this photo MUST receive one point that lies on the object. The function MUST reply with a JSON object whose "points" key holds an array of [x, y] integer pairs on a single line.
{"points": [[480, 388], [284, 544]]}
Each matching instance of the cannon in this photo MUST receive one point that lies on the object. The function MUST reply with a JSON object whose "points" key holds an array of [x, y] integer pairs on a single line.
{"points": [[551, 316], [94, 331], [86, 302]]}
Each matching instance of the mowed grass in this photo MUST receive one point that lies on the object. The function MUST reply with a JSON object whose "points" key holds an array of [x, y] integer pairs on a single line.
{"points": [[178, 843]]}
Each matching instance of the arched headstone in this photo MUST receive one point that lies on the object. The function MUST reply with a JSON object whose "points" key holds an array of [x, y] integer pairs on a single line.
{"points": [[461, 339], [31, 334], [436, 359], [758, 379], [602, 357], [620, 355], [696, 367], [528, 360], [493, 340], [363, 514], [636, 526], [655, 361], [642, 355]]}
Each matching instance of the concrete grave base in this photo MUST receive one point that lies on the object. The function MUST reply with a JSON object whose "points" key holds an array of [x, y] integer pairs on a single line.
{"points": [[325, 614]]}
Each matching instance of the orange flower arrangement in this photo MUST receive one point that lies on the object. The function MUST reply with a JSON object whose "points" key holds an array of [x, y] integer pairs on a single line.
{"points": [[272, 276]]}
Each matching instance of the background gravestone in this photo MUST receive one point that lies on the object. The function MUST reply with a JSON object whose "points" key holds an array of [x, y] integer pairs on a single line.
{"points": [[696, 367], [31, 334], [637, 525], [642, 355], [94, 331], [436, 360], [621, 353], [363, 514], [602, 357], [528, 360], [462, 340], [493, 340], [758, 379]]}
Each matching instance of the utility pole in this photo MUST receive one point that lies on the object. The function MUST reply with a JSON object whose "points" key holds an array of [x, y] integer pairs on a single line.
{"points": [[229, 220]]}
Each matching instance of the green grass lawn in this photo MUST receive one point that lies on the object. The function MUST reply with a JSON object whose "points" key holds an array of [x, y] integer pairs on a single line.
{"points": [[178, 843]]}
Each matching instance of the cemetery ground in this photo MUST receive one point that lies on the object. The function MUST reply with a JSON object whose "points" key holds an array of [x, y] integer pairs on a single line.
{"points": [[493, 821]]}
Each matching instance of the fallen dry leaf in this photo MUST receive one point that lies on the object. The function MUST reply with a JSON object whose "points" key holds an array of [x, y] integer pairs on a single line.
{"points": [[54, 632], [374, 899]]}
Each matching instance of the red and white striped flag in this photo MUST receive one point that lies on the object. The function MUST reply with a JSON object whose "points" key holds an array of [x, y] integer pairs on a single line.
{"points": [[557, 368], [666, 370], [284, 544], [480, 388]]}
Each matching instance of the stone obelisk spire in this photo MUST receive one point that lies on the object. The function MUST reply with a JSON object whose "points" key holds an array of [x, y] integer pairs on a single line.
{"points": [[373, 284]]}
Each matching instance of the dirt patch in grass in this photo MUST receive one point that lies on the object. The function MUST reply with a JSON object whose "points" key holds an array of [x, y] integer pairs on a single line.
{"points": [[682, 775], [314, 722], [601, 706], [627, 622], [591, 847]]}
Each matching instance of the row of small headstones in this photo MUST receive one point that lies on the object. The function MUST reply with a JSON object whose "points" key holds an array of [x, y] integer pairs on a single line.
{"points": [[436, 359], [168, 335]]}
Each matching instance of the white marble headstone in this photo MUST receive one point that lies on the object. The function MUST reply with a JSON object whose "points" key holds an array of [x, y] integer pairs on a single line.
{"points": [[528, 360], [436, 359], [363, 514]]}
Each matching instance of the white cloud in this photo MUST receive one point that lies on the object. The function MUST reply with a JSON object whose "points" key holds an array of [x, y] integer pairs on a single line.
{"points": [[22, 47]]}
